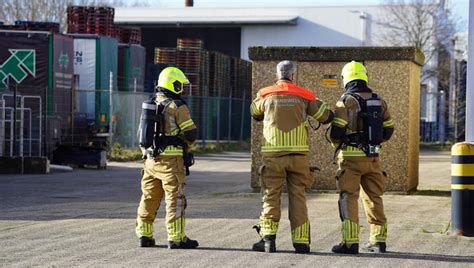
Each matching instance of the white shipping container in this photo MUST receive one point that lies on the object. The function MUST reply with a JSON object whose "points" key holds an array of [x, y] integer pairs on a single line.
{"points": [[85, 68]]}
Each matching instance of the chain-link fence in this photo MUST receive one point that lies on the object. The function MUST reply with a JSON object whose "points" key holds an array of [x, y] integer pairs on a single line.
{"points": [[34, 121], [436, 126], [127, 110], [448, 124], [218, 119], [429, 127]]}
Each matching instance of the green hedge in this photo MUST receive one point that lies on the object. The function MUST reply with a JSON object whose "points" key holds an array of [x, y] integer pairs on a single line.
{"points": [[121, 155]]}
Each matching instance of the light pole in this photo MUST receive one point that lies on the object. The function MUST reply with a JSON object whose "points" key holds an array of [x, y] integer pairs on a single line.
{"points": [[470, 78], [462, 154]]}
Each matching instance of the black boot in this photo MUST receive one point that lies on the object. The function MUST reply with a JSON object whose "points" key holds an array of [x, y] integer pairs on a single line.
{"points": [[185, 244], [379, 247], [146, 242], [266, 244], [344, 249], [301, 248]]}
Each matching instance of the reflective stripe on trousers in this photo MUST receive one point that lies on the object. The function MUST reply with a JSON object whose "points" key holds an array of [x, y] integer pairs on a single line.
{"points": [[301, 234], [350, 232]]}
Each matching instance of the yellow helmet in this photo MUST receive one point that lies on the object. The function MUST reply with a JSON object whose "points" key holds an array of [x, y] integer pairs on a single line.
{"points": [[172, 79], [354, 71]]}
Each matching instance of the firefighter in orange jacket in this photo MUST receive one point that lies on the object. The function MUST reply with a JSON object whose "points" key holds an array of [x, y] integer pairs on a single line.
{"points": [[284, 109], [361, 123]]}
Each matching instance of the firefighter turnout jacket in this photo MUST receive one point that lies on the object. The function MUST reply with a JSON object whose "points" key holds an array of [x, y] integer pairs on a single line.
{"points": [[347, 120], [177, 122], [284, 109]]}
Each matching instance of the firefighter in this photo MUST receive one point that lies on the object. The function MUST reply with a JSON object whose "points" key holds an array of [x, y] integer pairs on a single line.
{"points": [[285, 109], [361, 123], [166, 128]]}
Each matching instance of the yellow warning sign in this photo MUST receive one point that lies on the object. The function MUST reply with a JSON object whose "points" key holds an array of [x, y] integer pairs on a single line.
{"points": [[329, 80]]}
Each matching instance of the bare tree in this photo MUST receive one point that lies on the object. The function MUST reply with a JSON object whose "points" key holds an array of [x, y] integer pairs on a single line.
{"points": [[112, 3], [424, 24], [430, 26]]}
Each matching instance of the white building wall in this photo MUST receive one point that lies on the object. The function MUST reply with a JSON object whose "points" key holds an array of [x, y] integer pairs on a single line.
{"points": [[333, 26], [316, 26]]}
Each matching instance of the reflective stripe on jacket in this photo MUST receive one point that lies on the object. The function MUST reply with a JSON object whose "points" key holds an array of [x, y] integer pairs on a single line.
{"points": [[285, 108], [177, 121]]}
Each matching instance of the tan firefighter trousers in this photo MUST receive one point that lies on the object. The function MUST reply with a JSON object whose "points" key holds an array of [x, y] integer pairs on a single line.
{"points": [[162, 177], [361, 175], [275, 171]]}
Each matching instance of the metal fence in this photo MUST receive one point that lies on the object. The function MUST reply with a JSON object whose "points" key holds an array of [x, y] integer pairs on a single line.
{"points": [[34, 121], [448, 124], [429, 127], [218, 119], [21, 124]]}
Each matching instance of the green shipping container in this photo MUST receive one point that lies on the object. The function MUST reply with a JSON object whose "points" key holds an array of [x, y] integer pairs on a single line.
{"points": [[95, 59], [131, 64], [40, 64]]}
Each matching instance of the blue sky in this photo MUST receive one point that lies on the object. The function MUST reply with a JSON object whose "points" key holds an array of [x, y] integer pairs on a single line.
{"points": [[460, 7]]}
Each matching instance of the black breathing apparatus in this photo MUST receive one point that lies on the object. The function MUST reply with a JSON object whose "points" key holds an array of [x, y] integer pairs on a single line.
{"points": [[152, 123], [370, 136], [152, 134]]}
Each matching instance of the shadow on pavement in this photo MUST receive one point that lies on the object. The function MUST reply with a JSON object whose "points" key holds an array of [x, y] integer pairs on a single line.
{"points": [[388, 255], [224, 249], [111, 193], [431, 193], [421, 256]]}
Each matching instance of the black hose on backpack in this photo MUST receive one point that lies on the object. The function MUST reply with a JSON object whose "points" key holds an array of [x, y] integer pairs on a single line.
{"points": [[314, 128]]}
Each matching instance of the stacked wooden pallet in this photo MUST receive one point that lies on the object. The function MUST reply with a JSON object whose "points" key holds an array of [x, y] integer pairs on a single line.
{"points": [[210, 73], [219, 75], [91, 20], [129, 35], [100, 21]]}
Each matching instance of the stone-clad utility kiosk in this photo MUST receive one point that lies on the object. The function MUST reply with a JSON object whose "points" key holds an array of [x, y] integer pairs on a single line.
{"points": [[394, 74]]}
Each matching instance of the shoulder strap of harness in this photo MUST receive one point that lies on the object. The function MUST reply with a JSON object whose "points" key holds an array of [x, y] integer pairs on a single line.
{"points": [[179, 102], [358, 98], [161, 112]]}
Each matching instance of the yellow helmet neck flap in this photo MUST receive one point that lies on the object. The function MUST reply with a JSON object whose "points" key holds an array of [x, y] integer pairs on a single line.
{"points": [[172, 79], [354, 71]]}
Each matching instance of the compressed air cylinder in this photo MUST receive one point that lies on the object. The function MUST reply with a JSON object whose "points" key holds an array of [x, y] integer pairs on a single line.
{"points": [[146, 130]]}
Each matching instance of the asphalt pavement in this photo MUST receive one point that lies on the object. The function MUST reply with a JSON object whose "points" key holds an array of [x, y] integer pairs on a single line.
{"points": [[86, 218]]}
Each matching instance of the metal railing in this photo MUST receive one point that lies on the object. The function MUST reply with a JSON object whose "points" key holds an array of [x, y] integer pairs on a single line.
{"points": [[34, 121], [219, 119], [20, 125]]}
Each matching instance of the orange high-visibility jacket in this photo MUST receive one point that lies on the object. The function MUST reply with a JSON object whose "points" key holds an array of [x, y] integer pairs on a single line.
{"points": [[285, 108]]}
